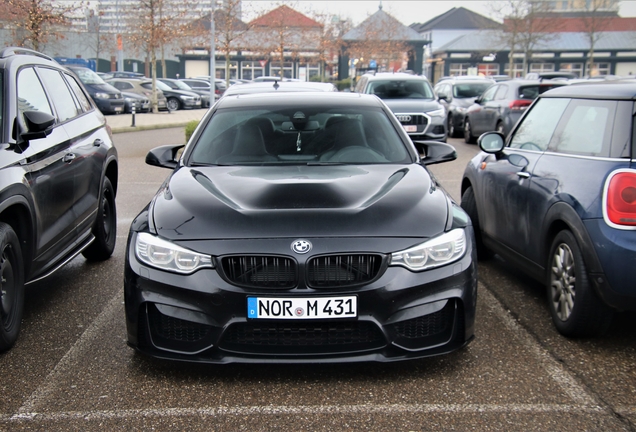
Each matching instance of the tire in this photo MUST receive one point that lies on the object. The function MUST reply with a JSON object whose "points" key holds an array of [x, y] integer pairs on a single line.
{"points": [[105, 228], [11, 287], [452, 131], [173, 104], [468, 133], [575, 308], [469, 205]]}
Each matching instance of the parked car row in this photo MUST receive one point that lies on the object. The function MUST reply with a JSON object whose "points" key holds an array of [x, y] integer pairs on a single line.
{"points": [[322, 237]]}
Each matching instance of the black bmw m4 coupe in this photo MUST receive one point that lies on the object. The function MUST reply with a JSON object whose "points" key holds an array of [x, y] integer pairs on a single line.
{"points": [[300, 227]]}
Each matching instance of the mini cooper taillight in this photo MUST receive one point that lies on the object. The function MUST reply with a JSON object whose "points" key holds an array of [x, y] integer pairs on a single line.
{"points": [[619, 199]]}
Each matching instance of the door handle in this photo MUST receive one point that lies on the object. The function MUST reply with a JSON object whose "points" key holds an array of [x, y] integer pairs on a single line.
{"points": [[69, 157], [523, 174], [98, 142]]}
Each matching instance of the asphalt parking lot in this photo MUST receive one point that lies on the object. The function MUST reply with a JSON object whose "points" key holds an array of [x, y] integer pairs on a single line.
{"points": [[71, 368]]}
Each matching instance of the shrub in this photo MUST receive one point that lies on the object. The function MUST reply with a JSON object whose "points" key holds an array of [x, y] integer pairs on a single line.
{"points": [[189, 129]]}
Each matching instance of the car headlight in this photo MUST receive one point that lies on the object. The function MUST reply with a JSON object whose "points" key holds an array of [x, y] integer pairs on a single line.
{"points": [[102, 95], [437, 113], [187, 98], [439, 251], [168, 256]]}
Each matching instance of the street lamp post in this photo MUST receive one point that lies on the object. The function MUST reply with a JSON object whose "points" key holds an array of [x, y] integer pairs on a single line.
{"points": [[212, 50]]}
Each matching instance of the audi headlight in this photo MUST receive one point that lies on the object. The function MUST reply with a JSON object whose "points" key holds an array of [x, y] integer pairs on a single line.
{"points": [[168, 256], [102, 95], [439, 251], [437, 113]]}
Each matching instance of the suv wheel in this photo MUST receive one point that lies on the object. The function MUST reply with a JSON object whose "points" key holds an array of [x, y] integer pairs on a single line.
{"points": [[468, 133], [105, 229], [576, 310], [11, 286]]}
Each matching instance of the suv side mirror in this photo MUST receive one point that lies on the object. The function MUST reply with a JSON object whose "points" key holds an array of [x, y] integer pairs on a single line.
{"points": [[491, 142], [38, 125]]}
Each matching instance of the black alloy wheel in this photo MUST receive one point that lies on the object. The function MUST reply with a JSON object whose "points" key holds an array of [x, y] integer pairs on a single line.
{"points": [[11, 287], [468, 133], [105, 228]]}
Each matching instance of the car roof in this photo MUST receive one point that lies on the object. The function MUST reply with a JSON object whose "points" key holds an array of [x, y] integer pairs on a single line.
{"points": [[624, 90], [274, 100], [396, 76], [282, 86]]}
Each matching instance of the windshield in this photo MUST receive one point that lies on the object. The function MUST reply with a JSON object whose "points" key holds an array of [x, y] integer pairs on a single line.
{"points": [[470, 90], [401, 89], [307, 135], [87, 76], [181, 85], [161, 86]]}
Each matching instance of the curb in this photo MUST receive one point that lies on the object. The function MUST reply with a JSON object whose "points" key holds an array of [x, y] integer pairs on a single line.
{"points": [[123, 129]]}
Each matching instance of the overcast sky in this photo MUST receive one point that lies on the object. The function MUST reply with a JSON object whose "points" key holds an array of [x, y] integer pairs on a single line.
{"points": [[408, 12]]}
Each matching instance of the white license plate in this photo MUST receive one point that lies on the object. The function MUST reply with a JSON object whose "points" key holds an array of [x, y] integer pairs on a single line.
{"points": [[118, 109], [410, 128], [302, 308]]}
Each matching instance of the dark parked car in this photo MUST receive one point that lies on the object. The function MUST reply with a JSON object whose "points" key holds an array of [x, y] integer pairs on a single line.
{"points": [[280, 87], [500, 106], [175, 84], [456, 95], [108, 99], [176, 99], [202, 86], [219, 84], [141, 102], [412, 100], [58, 178], [558, 199], [133, 85], [300, 227]]}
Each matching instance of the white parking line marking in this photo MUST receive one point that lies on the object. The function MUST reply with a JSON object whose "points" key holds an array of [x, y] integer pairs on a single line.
{"points": [[50, 382], [555, 370], [583, 401]]}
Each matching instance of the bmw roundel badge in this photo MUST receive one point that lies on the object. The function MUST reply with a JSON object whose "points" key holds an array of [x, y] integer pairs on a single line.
{"points": [[301, 246]]}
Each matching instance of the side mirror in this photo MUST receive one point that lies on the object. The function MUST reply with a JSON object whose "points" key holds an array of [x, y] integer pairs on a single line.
{"points": [[491, 142], [435, 152], [38, 125], [443, 97], [164, 156]]}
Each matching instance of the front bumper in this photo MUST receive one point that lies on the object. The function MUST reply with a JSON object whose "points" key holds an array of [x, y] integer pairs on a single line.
{"points": [[421, 126], [203, 318], [110, 106]]}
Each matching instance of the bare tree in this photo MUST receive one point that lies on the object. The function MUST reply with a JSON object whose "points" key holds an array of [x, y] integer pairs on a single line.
{"points": [[151, 25], [35, 22], [229, 30], [382, 38], [525, 27], [330, 46], [594, 22]]}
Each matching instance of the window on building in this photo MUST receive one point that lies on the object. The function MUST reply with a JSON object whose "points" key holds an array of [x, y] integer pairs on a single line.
{"points": [[251, 70], [220, 69], [599, 69], [287, 72], [517, 68], [488, 69], [541, 67], [459, 69], [576, 68]]}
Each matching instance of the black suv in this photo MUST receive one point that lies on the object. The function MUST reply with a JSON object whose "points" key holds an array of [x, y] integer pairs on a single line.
{"points": [[58, 178]]}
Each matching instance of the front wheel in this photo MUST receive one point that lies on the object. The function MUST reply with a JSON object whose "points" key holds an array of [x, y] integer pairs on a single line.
{"points": [[105, 228], [575, 308], [468, 133], [173, 104], [452, 131], [11, 287]]}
